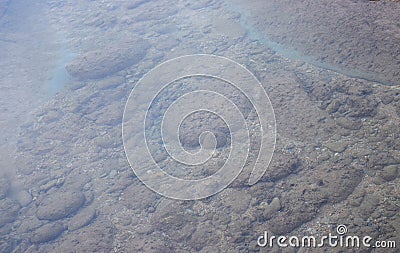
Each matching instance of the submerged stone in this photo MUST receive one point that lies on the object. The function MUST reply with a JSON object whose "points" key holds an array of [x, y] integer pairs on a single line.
{"points": [[104, 62], [82, 219], [390, 172], [60, 205], [271, 208], [47, 232], [4, 187], [9, 211], [338, 146]]}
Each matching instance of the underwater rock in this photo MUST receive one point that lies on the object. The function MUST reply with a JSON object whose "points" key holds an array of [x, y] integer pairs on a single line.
{"points": [[194, 125], [168, 43], [110, 83], [388, 96], [170, 216], [23, 197], [307, 193], [398, 108], [204, 235], [50, 184], [229, 28], [4, 187], [271, 208], [82, 219], [211, 249], [344, 42], [98, 237], [359, 106], [104, 62], [59, 205], [338, 146], [195, 5], [9, 211], [134, 4], [235, 201], [138, 197], [47, 232], [350, 124], [111, 115], [157, 11], [369, 205], [390, 172], [333, 106], [281, 166], [51, 116]]}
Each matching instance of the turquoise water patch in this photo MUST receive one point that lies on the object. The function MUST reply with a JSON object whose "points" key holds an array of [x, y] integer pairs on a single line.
{"points": [[60, 76]]}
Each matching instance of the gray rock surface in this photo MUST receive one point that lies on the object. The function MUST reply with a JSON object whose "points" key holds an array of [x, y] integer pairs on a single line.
{"points": [[96, 238], [271, 208], [104, 62], [322, 30], [390, 172], [23, 197], [59, 205], [4, 187], [83, 218], [9, 211], [337, 137], [47, 232]]}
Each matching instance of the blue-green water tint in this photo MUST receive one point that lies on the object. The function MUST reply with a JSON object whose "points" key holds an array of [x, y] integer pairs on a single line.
{"points": [[60, 76], [26, 27]]}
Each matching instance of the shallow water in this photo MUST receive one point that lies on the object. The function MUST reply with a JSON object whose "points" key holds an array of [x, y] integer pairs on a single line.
{"points": [[68, 69], [298, 46], [60, 76]]}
